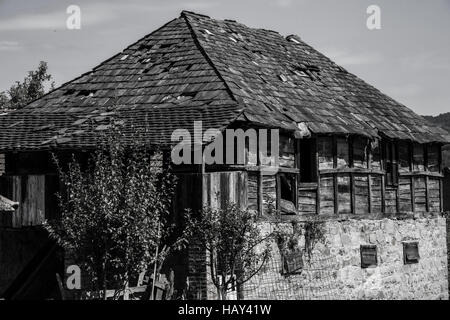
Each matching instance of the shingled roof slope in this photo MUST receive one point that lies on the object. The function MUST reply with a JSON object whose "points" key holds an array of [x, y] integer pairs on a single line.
{"points": [[284, 78], [197, 68]]}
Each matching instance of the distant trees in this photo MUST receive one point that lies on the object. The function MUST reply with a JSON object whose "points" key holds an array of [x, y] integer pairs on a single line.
{"points": [[31, 88]]}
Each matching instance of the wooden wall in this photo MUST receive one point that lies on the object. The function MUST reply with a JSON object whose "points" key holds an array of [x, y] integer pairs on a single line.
{"points": [[29, 192], [357, 176]]}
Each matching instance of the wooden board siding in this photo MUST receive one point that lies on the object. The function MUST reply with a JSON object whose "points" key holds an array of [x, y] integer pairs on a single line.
{"points": [[405, 195], [307, 201], [434, 194], [29, 192], [361, 189], [420, 200], [269, 193], [377, 198], [222, 187], [342, 150], [326, 195], [390, 202], [287, 152], [325, 152], [252, 192]]}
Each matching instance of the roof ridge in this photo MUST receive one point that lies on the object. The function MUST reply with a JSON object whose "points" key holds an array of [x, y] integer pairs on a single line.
{"points": [[208, 59]]}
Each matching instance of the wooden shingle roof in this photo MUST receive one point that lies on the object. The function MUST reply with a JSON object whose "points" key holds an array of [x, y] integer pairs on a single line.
{"points": [[197, 68]]}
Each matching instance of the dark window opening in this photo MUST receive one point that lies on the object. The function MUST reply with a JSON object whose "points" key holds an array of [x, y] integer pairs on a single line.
{"points": [[308, 160], [368, 256], [418, 157], [404, 156], [287, 192], [86, 93], [391, 164], [411, 252]]}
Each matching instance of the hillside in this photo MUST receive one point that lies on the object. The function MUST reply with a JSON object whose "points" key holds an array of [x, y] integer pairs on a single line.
{"points": [[443, 121]]}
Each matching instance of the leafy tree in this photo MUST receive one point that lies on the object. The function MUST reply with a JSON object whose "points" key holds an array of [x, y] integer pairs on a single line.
{"points": [[32, 88], [116, 213], [237, 248]]}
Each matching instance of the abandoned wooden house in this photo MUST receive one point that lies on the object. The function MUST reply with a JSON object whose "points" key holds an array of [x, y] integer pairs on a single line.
{"points": [[351, 157]]}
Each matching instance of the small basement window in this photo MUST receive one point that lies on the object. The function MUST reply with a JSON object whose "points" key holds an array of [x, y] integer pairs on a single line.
{"points": [[369, 256], [410, 252]]}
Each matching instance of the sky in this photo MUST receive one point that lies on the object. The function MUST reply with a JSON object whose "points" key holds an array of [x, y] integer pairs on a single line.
{"points": [[408, 58]]}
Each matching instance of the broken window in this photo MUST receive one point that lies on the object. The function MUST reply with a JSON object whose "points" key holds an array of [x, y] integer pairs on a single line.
{"points": [[308, 160], [287, 152], [360, 152], [376, 156], [418, 157], [342, 153], [391, 164], [325, 151], [433, 158], [287, 185], [404, 156]]}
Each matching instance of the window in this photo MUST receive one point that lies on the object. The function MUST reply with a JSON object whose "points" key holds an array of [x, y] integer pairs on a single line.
{"points": [[376, 157], [404, 156], [391, 164], [360, 152], [342, 153], [325, 151], [308, 160], [368, 256], [418, 157], [433, 158], [287, 190], [410, 252], [287, 152]]}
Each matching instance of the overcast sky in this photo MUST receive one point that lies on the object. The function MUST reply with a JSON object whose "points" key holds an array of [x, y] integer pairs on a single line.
{"points": [[409, 58]]}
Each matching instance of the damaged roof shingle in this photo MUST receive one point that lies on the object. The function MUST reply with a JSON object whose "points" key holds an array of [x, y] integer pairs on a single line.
{"points": [[190, 70]]}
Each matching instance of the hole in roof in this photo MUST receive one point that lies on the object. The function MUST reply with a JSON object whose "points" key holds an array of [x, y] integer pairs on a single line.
{"points": [[187, 95], [167, 68], [166, 45], [69, 92], [144, 47], [189, 67], [86, 93]]}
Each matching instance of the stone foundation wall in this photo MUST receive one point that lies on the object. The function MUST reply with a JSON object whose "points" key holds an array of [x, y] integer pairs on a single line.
{"points": [[334, 270]]}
